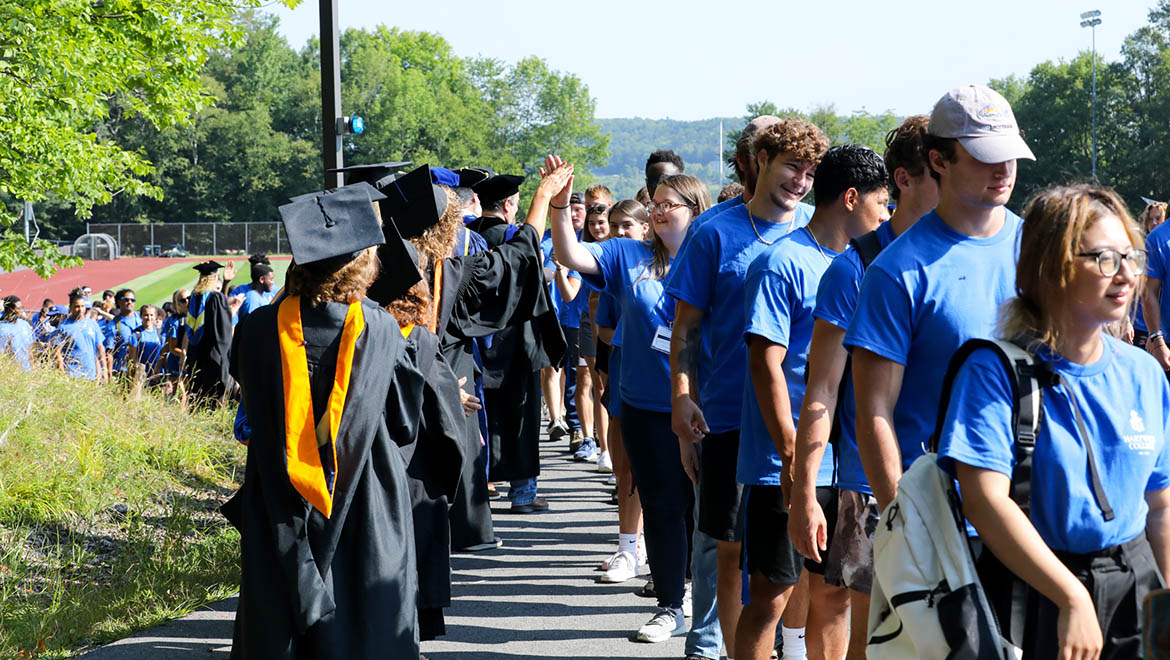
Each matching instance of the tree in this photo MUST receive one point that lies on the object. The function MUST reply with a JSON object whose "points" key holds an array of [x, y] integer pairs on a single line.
{"points": [[68, 65]]}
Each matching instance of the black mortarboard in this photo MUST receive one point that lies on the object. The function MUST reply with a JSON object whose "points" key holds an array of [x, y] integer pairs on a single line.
{"points": [[370, 191], [375, 174], [333, 225], [500, 186], [470, 177], [207, 267], [399, 268], [414, 202]]}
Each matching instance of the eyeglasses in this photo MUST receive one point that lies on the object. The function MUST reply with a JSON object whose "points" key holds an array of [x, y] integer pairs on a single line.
{"points": [[597, 209], [184, 301], [128, 299], [663, 207], [1109, 260]]}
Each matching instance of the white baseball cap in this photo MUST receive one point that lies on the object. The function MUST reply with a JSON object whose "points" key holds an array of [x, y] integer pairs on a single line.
{"points": [[982, 120]]}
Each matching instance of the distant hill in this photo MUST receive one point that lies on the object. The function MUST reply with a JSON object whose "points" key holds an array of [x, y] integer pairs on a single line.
{"points": [[632, 140]]}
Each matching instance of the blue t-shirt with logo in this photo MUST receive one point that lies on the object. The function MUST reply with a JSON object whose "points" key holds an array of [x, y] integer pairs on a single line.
{"points": [[1124, 399], [118, 337], [931, 290], [79, 341], [709, 274], [16, 339], [1158, 265], [781, 291], [647, 315], [836, 302]]}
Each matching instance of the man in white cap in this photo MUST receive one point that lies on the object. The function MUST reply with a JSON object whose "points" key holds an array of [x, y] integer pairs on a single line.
{"points": [[940, 284]]}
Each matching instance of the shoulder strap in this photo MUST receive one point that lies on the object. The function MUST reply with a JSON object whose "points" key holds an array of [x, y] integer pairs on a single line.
{"points": [[868, 247]]}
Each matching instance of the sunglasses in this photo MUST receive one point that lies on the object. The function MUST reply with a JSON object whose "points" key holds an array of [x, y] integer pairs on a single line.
{"points": [[128, 299], [184, 300], [596, 209]]}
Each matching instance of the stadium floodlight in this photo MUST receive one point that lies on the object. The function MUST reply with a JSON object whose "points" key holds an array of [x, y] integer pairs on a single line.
{"points": [[1091, 14]]}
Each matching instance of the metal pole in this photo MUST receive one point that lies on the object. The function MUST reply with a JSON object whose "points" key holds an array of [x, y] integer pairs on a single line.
{"points": [[1094, 30], [246, 250], [28, 211], [183, 234], [152, 244], [214, 249], [330, 94], [719, 154]]}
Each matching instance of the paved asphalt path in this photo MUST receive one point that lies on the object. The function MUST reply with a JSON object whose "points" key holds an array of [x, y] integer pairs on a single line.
{"points": [[536, 597]]}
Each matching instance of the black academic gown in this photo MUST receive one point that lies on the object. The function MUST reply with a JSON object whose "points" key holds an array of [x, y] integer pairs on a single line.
{"points": [[207, 361], [511, 376], [344, 586], [488, 293], [434, 463]]}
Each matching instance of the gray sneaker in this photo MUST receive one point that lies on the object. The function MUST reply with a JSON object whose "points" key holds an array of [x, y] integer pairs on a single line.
{"points": [[666, 623], [587, 451]]}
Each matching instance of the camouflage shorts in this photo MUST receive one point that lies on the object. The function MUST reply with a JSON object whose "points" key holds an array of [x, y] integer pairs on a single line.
{"points": [[850, 560]]}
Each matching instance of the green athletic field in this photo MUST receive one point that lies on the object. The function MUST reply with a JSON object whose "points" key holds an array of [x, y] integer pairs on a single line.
{"points": [[156, 288]]}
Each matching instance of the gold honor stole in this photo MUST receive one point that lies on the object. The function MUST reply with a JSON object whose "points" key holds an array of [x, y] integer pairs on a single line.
{"points": [[302, 438]]}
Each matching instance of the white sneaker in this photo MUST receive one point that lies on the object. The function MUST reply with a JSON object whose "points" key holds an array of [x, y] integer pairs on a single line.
{"points": [[686, 604], [605, 463], [665, 623], [612, 481], [608, 560], [622, 566]]}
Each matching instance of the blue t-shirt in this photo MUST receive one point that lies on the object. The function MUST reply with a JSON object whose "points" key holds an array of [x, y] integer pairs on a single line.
{"points": [[149, 343], [781, 290], [118, 337], [16, 339], [1124, 399], [1158, 265], [709, 274], [609, 316], [927, 293], [79, 341], [647, 313], [836, 302], [569, 311], [254, 299], [42, 329], [172, 328]]}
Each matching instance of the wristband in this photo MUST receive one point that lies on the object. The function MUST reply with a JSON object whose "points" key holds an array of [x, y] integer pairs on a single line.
{"points": [[1156, 335], [562, 208]]}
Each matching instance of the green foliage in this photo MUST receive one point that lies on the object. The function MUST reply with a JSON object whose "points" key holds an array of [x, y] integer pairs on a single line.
{"points": [[108, 520], [1053, 105], [66, 66]]}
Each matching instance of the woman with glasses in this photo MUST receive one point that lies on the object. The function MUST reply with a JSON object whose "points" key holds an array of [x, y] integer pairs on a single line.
{"points": [[1097, 538], [633, 271]]}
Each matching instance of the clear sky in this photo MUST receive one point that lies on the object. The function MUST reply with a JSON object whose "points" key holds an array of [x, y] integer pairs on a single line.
{"points": [[693, 60]]}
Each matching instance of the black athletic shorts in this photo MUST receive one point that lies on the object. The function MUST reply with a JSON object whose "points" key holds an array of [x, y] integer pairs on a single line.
{"points": [[827, 498], [767, 547], [720, 495]]}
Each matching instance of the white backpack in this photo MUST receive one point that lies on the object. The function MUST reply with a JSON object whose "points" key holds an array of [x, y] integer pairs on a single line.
{"points": [[927, 601]]}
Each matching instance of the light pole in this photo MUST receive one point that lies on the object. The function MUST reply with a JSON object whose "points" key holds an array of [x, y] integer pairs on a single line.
{"points": [[1091, 19]]}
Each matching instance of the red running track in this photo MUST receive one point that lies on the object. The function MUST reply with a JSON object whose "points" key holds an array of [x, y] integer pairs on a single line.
{"points": [[98, 275]]}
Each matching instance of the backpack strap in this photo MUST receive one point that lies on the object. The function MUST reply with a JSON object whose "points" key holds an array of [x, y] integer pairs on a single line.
{"points": [[868, 247]]}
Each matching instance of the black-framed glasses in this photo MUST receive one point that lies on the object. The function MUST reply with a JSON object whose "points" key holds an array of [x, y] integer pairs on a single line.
{"points": [[597, 209], [124, 299], [663, 207], [1109, 260]]}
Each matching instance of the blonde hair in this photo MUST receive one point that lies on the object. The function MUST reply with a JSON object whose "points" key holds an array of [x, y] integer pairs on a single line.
{"points": [[208, 282], [345, 284], [696, 197], [599, 190], [1055, 222], [1144, 216]]}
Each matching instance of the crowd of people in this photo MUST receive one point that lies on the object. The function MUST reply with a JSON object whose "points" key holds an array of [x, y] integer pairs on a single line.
{"points": [[756, 375]]}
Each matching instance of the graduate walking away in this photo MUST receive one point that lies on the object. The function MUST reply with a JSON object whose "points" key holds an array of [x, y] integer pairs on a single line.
{"points": [[330, 391]]}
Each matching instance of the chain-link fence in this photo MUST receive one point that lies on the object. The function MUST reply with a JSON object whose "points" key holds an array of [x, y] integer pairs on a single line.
{"points": [[202, 238]]}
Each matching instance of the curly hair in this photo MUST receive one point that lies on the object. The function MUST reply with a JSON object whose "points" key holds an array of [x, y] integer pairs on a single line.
{"points": [[1144, 216], [415, 307], [1055, 221], [345, 284], [904, 150], [794, 136], [438, 241]]}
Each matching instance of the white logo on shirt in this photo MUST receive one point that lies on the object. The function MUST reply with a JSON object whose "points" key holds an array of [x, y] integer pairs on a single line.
{"points": [[1135, 421]]}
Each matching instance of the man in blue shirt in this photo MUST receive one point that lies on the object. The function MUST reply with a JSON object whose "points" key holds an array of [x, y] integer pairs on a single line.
{"points": [[120, 329], [1156, 304], [707, 388], [940, 284], [260, 292], [78, 340], [782, 284]]}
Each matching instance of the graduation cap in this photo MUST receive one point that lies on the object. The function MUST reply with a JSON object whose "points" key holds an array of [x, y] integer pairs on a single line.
{"points": [[331, 228], [375, 174], [1149, 201], [399, 268], [497, 187], [470, 177], [414, 201], [370, 191], [207, 267]]}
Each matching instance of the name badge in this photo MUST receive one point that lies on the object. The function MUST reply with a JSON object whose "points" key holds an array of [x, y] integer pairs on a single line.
{"points": [[661, 341]]}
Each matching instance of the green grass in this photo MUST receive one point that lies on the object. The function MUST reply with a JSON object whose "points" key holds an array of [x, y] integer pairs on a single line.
{"points": [[156, 288], [108, 521]]}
